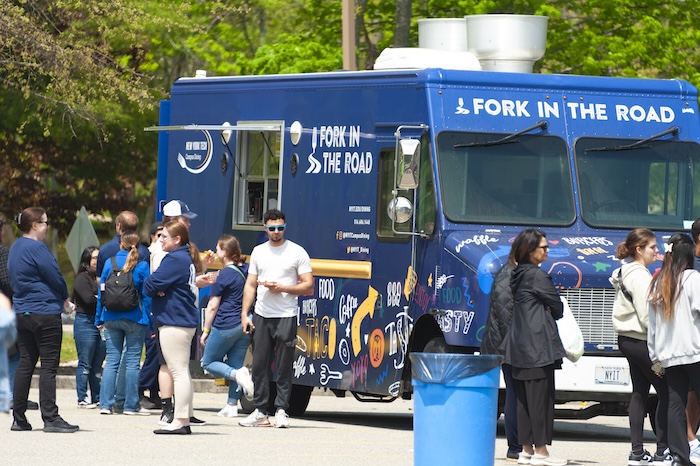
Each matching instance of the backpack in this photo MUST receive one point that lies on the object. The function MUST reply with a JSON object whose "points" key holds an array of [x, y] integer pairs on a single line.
{"points": [[118, 291]]}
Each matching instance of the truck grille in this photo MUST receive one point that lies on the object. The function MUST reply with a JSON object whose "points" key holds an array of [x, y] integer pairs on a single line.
{"points": [[592, 308]]}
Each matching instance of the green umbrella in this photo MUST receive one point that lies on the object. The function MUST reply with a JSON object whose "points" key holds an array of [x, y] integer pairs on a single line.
{"points": [[81, 236]]}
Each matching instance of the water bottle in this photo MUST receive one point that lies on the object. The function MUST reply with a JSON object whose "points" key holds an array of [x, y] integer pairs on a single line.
{"points": [[102, 334]]}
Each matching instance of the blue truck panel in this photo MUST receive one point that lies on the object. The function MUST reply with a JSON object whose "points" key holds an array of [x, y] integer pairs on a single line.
{"points": [[327, 159]]}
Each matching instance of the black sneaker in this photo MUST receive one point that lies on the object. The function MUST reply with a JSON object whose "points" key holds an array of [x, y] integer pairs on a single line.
{"points": [[166, 418], [642, 459], [147, 403], [31, 405], [664, 459], [512, 455], [18, 426], [197, 422], [59, 425], [678, 461], [118, 409]]}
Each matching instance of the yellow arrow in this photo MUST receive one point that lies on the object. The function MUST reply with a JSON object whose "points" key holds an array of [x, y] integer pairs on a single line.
{"points": [[365, 309]]}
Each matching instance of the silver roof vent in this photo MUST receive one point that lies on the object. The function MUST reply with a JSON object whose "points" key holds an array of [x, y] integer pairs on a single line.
{"points": [[507, 42]]}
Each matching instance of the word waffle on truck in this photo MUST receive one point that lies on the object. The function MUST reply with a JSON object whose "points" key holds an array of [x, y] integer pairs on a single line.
{"points": [[407, 187]]}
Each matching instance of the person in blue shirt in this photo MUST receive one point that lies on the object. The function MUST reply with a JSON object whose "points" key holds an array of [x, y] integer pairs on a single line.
{"points": [[124, 330], [125, 221], [222, 333], [39, 296], [172, 289]]}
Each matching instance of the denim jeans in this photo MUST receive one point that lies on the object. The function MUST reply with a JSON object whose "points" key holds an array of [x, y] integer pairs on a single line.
{"points": [[91, 354], [233, 344], [5, 394], [125, 337], [13, 363]]}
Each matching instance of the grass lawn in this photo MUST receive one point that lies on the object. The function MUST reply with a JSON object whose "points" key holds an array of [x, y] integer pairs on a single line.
{"points": [[68, 351]]}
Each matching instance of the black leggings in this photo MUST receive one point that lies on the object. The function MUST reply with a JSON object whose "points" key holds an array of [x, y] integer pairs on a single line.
{"points": [[643, 378], [680, 380]]}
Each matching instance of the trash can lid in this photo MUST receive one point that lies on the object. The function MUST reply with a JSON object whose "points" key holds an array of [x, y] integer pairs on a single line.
{"points": [[449, 367]]}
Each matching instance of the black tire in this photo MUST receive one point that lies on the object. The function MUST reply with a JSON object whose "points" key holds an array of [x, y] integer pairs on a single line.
{"points": [[299, 400], [436, 345]]}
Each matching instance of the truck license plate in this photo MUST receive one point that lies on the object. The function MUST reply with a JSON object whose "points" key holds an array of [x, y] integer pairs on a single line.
{"points": [[612, 375]]}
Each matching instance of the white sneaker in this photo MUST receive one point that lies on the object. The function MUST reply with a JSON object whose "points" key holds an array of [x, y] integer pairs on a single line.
{"points": [[524, 458], [140, 412], [546, 460], [255, 419], [85, 404], [281, 418], [695, 455], [228, 411], [245, 381]]}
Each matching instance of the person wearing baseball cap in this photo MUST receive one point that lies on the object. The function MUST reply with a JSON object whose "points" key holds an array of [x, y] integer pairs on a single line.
{"points": [[177, 208]]}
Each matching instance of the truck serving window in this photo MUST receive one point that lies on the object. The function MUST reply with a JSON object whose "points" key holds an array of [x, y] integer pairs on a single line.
{"points": [[524, 181], [650, 185], [258, 188]]}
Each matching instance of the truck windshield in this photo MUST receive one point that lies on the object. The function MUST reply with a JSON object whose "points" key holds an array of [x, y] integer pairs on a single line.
{"points": [[526, 181], [651, 185]]}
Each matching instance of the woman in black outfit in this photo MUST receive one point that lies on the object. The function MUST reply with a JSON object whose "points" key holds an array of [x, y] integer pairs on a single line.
{"points": [[533, 347], [90, 346]]}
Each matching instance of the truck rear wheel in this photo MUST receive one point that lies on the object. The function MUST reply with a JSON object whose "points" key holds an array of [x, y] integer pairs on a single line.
{"points": [[298, 400], [436, 345]]}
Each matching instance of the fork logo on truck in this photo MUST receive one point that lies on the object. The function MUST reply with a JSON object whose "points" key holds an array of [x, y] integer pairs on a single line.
{"points": [[197, 154], [327, 157]]}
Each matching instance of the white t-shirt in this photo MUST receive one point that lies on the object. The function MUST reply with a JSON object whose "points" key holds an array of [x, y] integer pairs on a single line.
{"points": [[281, 264]]}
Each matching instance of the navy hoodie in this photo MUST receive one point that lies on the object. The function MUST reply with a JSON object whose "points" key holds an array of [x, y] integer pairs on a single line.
{"points": [[176, 278]]}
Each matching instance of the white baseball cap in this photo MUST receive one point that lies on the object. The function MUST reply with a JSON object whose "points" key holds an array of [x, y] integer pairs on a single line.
{"points": [[177, 208]]}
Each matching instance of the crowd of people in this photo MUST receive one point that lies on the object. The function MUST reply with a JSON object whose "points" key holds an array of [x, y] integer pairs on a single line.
{"points": [[156, 308], [656, 318]]}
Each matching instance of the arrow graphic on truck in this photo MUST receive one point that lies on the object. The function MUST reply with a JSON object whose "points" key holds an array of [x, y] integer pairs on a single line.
{"points": [[365, 309]]}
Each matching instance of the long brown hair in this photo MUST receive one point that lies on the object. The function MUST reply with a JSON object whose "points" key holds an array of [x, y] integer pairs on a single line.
{"points": [[130, 242], [175, 228], [637, 238], [666, 286]]}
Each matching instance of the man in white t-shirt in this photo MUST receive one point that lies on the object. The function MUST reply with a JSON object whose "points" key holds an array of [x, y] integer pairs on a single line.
{"points": [[279, 272]]}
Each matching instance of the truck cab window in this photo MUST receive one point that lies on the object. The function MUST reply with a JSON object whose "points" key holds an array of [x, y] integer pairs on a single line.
{"points": [[385, 186], [426, 208], [647, 186], [258, 189], [526, 181]]}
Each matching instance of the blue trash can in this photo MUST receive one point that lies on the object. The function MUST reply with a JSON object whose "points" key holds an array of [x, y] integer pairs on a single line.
{"points": [[455, 408]]}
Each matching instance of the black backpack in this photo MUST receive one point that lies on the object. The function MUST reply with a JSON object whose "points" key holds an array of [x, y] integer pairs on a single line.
{"points": [[118, 291]]}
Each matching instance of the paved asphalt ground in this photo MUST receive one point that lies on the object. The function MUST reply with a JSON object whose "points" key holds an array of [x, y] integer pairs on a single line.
{"points": [[334, 431]]}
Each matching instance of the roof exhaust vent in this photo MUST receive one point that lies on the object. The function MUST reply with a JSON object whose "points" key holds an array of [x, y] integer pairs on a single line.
{"points": [[507, 42], [448, 34]]}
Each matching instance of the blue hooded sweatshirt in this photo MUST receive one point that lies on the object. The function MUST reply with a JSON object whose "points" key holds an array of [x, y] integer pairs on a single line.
{"points": [[140, 314], [176, 279]]}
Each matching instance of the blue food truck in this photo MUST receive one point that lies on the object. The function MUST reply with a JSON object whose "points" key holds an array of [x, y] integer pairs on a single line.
{"points": [[407, 187]]}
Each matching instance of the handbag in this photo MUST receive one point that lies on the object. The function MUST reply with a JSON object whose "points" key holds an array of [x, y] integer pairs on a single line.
{"points": [[570, 334]]}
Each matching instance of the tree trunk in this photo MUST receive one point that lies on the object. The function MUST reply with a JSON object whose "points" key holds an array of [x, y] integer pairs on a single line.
{"points": [[403, 23]]}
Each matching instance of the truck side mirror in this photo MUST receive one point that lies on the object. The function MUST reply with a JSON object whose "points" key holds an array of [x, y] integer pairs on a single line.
{"points": [[399, 210], [408, 163]]}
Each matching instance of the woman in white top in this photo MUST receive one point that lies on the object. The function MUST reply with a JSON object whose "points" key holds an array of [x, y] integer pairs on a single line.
{"points": [[674, 336]]}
